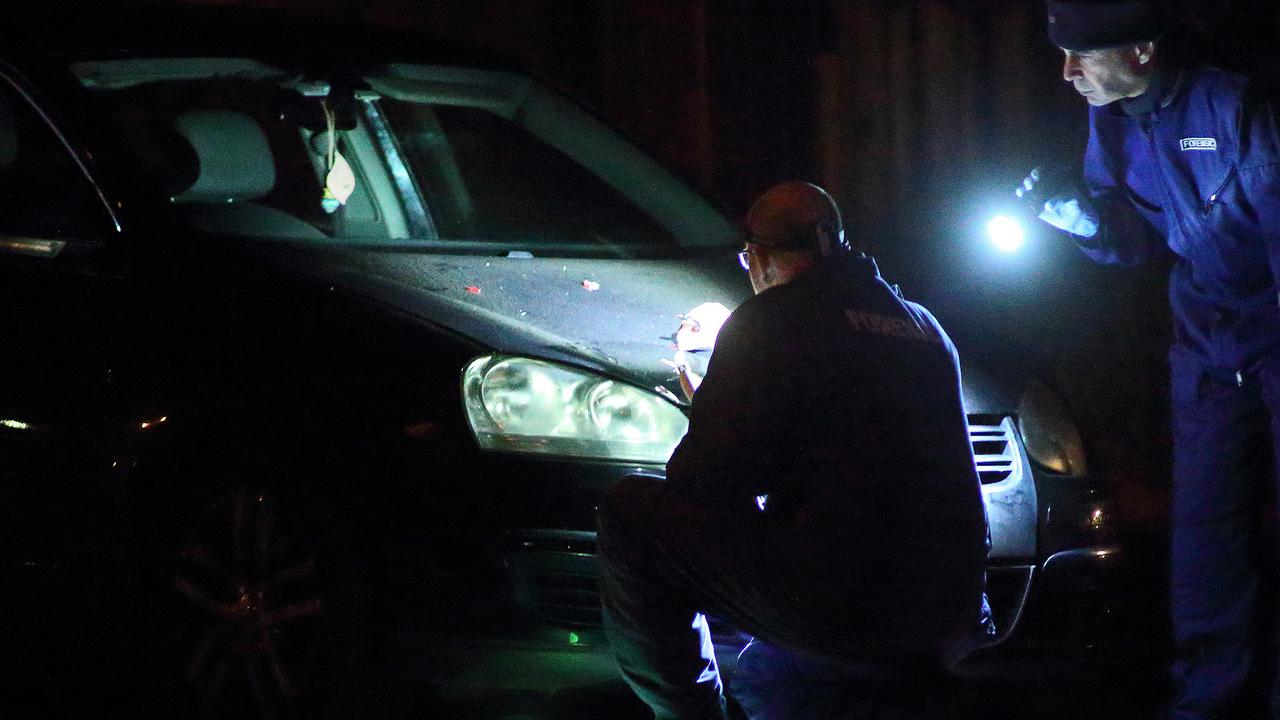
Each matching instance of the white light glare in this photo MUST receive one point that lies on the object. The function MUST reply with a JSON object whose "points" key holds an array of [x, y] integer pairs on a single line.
{"points": [[1005, 233]]}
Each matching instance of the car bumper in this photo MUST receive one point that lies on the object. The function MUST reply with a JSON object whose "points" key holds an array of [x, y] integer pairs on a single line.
{"points": [[1059, 614]]}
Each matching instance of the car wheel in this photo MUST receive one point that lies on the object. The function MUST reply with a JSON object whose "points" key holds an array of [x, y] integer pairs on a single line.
{"points": [[267, 619]]}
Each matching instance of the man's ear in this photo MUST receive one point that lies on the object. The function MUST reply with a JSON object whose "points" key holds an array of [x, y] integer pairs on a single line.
{"points": [[830, 239]]}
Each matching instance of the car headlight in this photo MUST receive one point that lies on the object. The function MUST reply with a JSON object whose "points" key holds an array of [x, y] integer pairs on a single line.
{"points": [[1050, 436], [532, 406]]}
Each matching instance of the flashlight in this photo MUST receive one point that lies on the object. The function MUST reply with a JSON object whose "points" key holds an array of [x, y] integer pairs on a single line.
{"points": [[1006, 231], [1006, 234]]}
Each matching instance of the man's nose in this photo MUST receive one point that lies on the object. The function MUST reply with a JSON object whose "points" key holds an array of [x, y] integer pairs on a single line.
{"points": [[1070, 68]]}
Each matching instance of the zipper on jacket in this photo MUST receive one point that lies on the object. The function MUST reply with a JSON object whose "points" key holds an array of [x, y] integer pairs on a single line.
{"points": [[1149, 129], [1213, 197]]}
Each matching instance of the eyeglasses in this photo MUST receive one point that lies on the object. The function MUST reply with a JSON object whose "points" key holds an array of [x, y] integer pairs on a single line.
{"points": [[793, 243]]}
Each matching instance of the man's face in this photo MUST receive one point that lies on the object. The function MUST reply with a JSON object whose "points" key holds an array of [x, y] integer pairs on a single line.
{"points": [[1110, 74]]}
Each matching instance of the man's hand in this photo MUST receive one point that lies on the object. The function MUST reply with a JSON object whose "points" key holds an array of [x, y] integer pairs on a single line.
{"points": [[700, 326], [1059, 202]]}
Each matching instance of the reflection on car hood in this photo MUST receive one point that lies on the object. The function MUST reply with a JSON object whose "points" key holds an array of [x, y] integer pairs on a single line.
{"points": [[615, 316]]}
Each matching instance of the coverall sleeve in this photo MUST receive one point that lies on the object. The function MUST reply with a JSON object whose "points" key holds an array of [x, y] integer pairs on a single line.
{"points": [[1124, 237], [735, 435], [1259, 169]]}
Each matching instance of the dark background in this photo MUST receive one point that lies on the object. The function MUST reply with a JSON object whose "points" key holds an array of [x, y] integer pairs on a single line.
{"points": [[919, 116]]}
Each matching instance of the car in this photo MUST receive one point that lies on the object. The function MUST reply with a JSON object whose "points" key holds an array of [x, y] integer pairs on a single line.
{"points": [[318, 360]]}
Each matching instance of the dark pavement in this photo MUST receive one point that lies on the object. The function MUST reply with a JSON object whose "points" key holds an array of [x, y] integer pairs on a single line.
{"points": [[1121, 698]]}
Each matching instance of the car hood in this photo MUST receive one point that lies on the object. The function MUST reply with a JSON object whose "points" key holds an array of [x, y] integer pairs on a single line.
{"points": [[615, 316]]}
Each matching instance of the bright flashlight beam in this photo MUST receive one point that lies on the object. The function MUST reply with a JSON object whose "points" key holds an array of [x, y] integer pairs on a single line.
{"points": [[1006, 234]]}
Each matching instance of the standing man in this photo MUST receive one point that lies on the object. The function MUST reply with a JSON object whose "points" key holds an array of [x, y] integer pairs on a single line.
{"points": [[1189, 157], [840, 401]]}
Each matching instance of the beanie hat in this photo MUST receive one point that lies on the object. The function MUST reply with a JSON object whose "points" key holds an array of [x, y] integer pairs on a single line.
{"points": [[1093, 24]]}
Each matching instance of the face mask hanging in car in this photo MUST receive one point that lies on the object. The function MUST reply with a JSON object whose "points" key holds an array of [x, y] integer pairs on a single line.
{"points": [[339, 180]]}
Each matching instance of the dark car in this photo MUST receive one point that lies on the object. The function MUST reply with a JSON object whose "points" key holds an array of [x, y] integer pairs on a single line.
{"points": [[314, 367]]}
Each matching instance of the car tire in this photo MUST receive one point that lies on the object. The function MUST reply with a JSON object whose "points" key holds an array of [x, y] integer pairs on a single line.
{"points": [[263, 610]]}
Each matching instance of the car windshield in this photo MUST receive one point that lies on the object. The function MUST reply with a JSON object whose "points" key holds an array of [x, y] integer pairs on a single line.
{"points": [[431, 157]]}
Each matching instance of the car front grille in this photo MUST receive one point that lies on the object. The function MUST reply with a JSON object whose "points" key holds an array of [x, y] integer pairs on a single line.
{"points": [[554, 575], [995, 449], [566, 599]]}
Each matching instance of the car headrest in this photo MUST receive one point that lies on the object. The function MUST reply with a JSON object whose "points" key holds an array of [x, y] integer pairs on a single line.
{"points": [[233, 154]]}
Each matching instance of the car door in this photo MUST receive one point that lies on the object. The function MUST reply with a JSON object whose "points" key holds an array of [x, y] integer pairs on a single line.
{"points": [[61, 320]]}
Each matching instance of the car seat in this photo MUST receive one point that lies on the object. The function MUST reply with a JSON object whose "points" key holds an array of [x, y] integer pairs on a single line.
{"points": [[235, 167]]}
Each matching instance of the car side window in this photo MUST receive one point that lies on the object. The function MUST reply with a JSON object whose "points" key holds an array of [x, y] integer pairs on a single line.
{"points": [[44, 192], [486, 178]]}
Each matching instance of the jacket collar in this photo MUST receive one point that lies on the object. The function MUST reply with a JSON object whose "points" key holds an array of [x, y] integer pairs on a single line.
{"points": [[1161, 93], [839, 268]]}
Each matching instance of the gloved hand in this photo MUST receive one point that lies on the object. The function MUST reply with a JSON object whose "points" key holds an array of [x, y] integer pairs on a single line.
{"points": [[1059, 202]]}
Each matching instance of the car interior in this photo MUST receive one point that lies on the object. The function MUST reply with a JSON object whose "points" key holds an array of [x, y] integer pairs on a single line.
{"points": [[463, 161]]}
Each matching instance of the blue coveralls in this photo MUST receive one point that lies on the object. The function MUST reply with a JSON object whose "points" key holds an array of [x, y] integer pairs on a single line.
{"points": [[1199, 168], [840, 401]]}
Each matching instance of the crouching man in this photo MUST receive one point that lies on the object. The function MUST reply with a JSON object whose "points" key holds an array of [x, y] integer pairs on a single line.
{"points": [[825, 498]]}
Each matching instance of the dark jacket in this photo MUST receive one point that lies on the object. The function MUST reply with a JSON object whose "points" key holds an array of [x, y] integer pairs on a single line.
{"points": [[841, 401], [1200, 173]]}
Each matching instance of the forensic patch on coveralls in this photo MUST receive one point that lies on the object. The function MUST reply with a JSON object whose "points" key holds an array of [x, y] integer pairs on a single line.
{"points": [[1210, 144], [863, 321]]}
